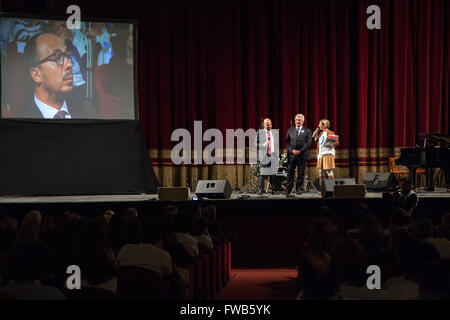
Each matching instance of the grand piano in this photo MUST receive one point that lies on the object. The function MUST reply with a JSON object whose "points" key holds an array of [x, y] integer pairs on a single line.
{"points": [[431, 151]]}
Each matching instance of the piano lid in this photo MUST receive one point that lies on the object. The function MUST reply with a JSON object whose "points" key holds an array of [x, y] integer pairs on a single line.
{"points": [[443, 138]]}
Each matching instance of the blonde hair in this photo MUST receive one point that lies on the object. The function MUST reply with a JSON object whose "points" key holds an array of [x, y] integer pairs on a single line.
{"points": [[326, 123]]}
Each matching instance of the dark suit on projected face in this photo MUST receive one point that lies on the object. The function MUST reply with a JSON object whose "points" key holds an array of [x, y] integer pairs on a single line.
{"points": [[297, 140], [76, 110]]}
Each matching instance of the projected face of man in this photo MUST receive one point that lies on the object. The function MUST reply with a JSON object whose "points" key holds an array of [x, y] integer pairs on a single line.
{"points": [[52, 77]]}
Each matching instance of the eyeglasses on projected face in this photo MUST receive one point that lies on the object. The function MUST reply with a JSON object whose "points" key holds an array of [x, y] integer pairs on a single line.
{"points": [[56, 57]]}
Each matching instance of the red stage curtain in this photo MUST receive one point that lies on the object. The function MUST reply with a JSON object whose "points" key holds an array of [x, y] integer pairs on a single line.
{"points": [[230, 63]]}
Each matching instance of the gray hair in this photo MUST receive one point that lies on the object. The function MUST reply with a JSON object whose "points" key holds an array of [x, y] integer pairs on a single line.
{"points": [[301, 116]]}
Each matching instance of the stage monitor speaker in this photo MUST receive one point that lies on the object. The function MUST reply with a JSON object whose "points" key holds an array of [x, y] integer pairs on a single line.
{"points": [[214, 189], [328, 185], [173, 193], [379, 181], [355, 191]]}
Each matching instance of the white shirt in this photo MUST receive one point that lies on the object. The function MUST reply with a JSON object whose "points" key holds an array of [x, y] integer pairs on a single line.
{"points": [[442, 245], [206, 241], [322, 149], [400, 288], [110, 284], [360, 293], [272, 143], [147, 256], [189, 242], [49, 112], [31, 290]]}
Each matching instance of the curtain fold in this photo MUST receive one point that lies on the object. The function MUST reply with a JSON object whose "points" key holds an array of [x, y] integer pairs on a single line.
{"points": [[230, 63]]}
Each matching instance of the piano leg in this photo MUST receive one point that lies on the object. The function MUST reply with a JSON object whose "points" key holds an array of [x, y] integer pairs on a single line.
{"points": [[447, 178], [429, 178]]}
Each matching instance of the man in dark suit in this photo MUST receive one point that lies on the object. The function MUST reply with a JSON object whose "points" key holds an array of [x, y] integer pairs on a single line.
{"points": [[298, 141], [49, 64]]}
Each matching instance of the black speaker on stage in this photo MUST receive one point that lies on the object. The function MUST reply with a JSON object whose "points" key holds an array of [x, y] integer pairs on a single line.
{"points": [[379, 181], [328, 185], [213, 189]]}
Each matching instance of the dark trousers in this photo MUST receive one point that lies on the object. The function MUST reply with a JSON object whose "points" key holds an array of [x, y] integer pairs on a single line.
{"points": [[261, 181], [298, 162]]}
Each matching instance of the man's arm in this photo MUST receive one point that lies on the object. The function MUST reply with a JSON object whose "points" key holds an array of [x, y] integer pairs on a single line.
{"points": [[288, 143]]}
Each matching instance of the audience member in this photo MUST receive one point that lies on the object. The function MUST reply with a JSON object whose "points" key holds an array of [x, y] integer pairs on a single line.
{"points": [[27, 263], [406, 287], [444, 228], [423, 229], [182, 228], [315, 278], [148, 254], [349, 264], [434, 281], [200, 232], [359, 211], [96, 229], [97, 268]]}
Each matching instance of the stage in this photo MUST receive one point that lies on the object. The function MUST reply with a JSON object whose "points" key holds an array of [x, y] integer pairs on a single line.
{"points": [[270, 229], [438, 193]]}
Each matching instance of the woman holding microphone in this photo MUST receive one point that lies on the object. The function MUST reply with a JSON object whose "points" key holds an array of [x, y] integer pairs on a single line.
{"points": [[326, 152]]}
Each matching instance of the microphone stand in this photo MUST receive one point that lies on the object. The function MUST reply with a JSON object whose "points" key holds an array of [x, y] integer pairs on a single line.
{"points": [[252, 185]]}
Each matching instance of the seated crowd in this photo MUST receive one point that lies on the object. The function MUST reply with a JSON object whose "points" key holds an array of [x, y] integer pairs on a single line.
{"points": [[411, 251], [35, 254]]}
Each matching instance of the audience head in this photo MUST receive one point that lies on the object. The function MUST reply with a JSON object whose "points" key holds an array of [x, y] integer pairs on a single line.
{"points": [[398, 219], [423, 228], [359, 211], [200, 226], [434, 281], [417, 255], [95, 264], [132, 212], [33, 217], [399, 245], [166, 224], [209, 213], [349, 262], [28, 260], [171, 210], [30, 231], [326, 212], [72, 217], [445, 221], [369, 227], [405, 186], [9, 223], [108, 214], [131, 230], [182, 224], [315, 277], [318, 224], [96, 229], [151, 233]]}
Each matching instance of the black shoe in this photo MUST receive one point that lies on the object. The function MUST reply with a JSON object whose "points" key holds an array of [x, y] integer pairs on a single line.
{"points": [[260, 193], [273, 192], [298, 192]]}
